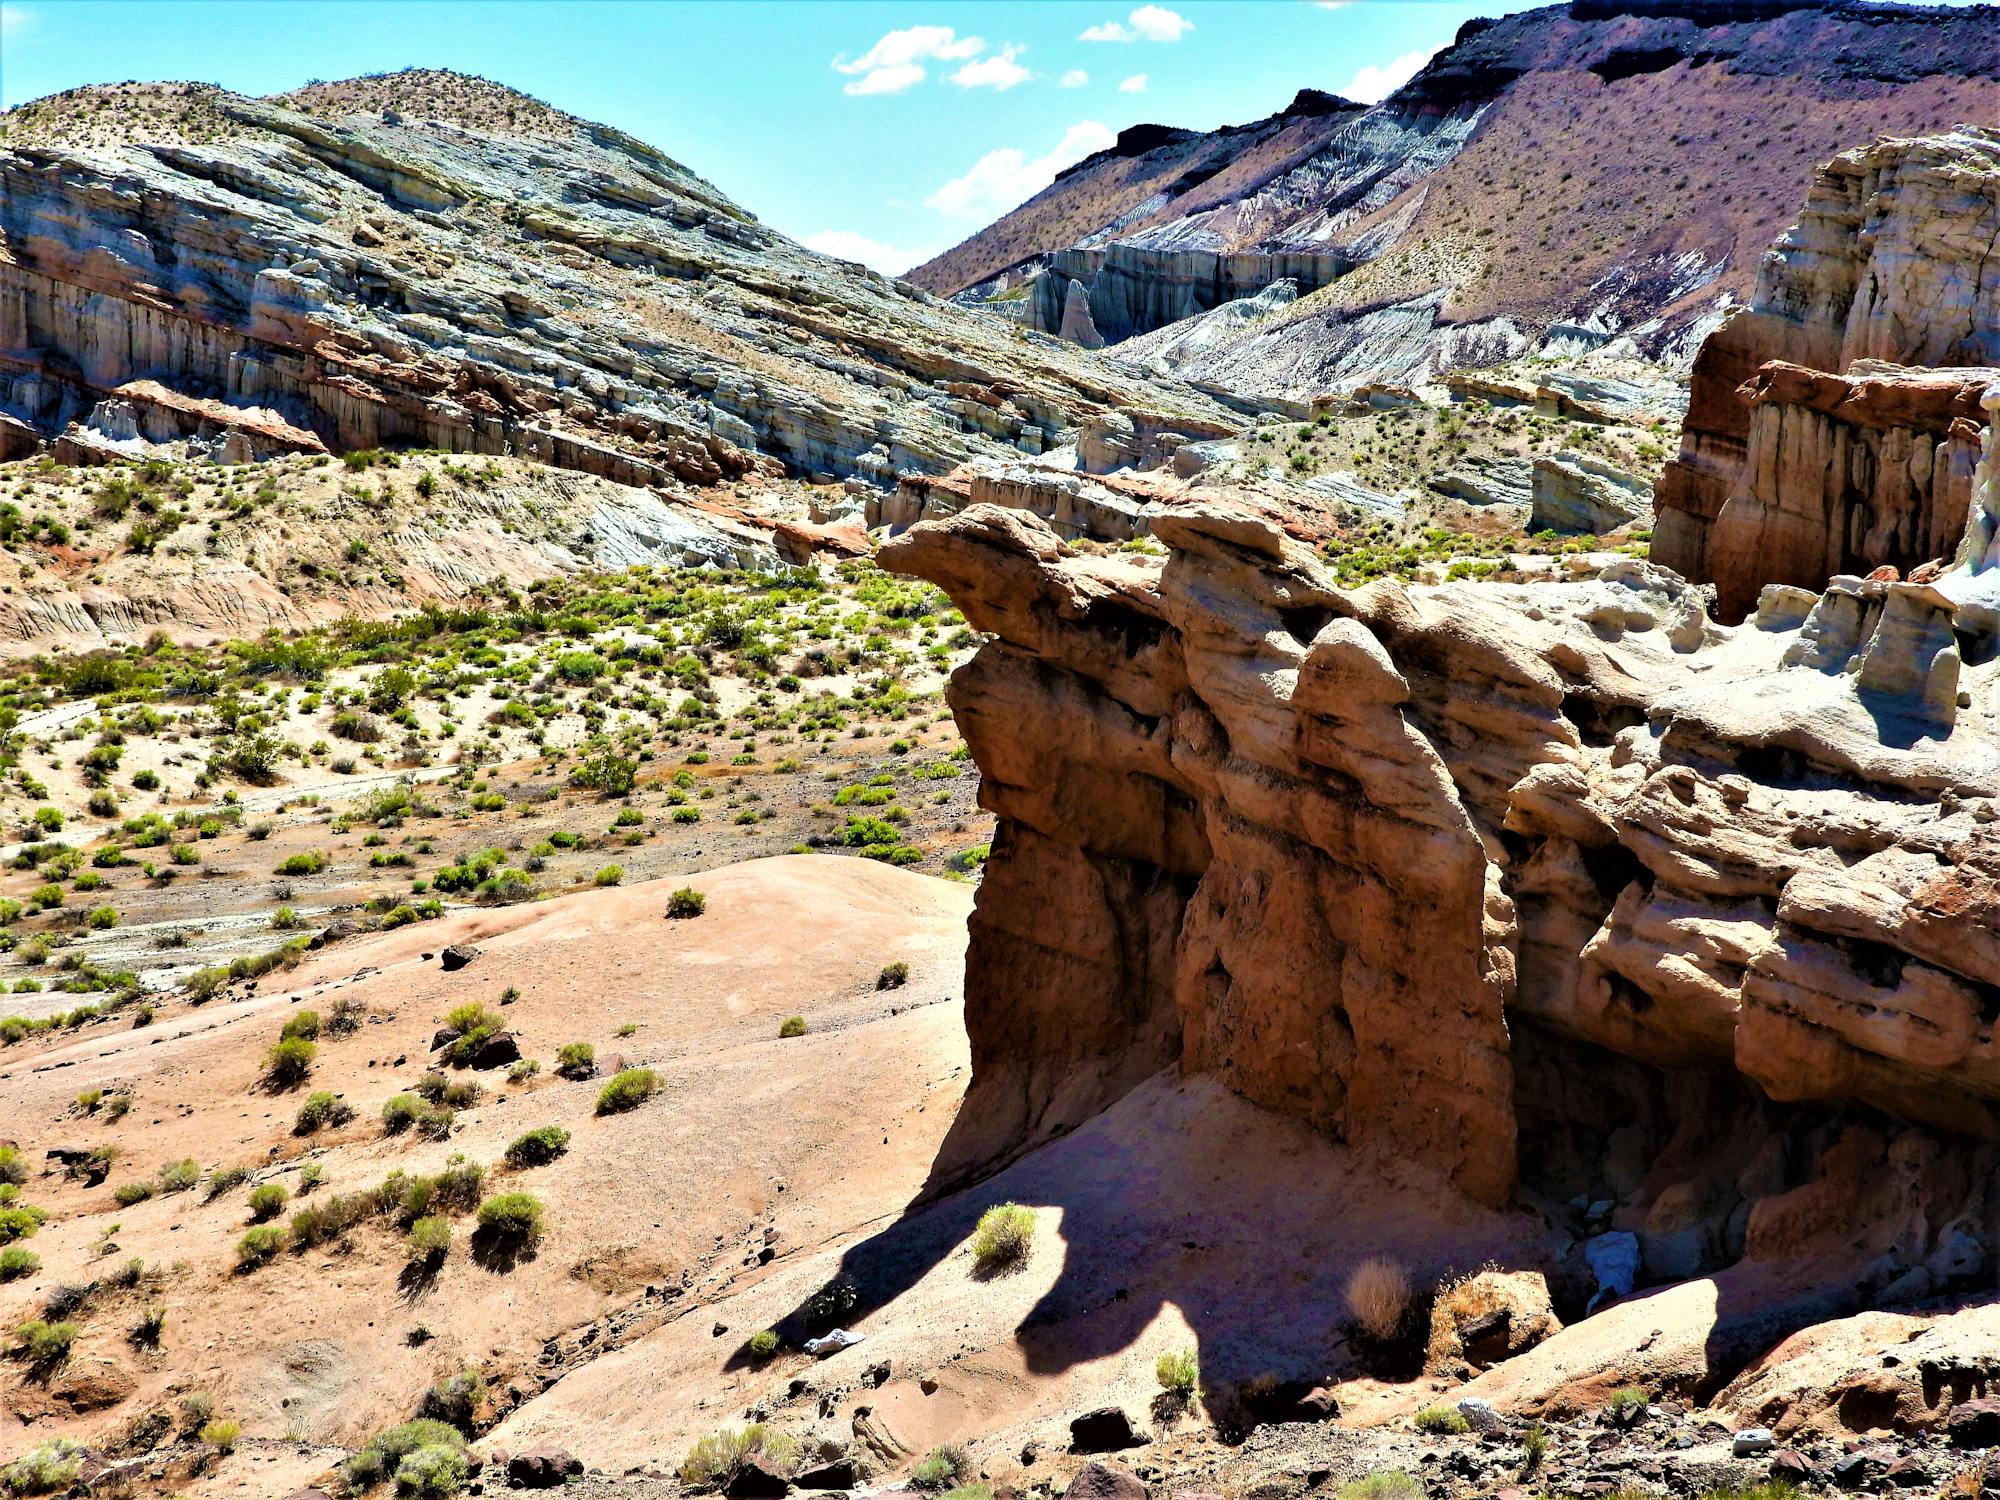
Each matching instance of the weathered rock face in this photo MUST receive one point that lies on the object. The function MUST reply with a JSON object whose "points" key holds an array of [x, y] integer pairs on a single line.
{"points": [[1477, 876], [552, 289], [1808, 450], [1481, 211]]}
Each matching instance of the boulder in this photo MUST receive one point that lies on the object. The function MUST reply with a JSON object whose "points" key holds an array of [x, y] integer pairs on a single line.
{"points": [[1789, 1466], [543, 1468], [457, 956], [1105, 1430], [1975, 1424], [1096, 1482], [1489, 1317], [834, 1474], [757, 1478]]}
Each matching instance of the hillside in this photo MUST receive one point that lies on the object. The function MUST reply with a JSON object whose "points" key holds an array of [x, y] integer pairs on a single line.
{"points": [[380, 263], [1558, 179]]}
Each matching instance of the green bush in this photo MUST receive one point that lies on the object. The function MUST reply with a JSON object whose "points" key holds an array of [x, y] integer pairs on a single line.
{"points": [[763, 1344], [322, 1110], [429, 1240], [512, 1219], [290, 1061], [576, 1060], [715, 1460], [150, 1328], [386, 1451], [13, 1166], [43, 1344], [400, 1112], [130, 1194], [893, 976], [792, 1026], [609, 875], [1178, 1373], [17, 1261], [940, 1469], [48, 1468], [309, 862], [686, 902], [432, 1472], [303, 1023], [628, 1090], [266, 1199], [1005, 1232], [1626, 1405], [1441, 1420], [456, 1399], [258, 1246], [537, 1147], [1390, 1484], [179, 1176], [18, 1221], [222, 1434]]}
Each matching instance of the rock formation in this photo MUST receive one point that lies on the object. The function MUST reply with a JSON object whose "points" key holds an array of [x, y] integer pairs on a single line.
{"points": [[1830, 428], [1486, 209], [384, 263], [1557, 887]]}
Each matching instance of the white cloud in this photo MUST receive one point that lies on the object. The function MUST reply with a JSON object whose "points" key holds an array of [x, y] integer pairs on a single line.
{"points": [[847, 244], [1136, 84], [14, 21], [1003, 179], [1149, 23], [896, 62], [1000, 71], [1373, 84], [1332, 4], [1075, 78]]}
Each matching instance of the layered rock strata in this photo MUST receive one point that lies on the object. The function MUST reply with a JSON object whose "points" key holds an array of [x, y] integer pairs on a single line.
{"points": [[1449, 871], [1809, 448], [554, 290]]}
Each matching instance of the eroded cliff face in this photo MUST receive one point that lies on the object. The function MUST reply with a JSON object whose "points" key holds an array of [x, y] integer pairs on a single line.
{"points": [[1557, 887], [383, 266], [1826, 431]]}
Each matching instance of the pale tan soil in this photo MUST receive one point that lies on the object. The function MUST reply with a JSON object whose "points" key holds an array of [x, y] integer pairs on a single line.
{"points": [[810, 1137]]}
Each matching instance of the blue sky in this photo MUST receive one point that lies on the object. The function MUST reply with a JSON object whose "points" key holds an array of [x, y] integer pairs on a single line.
{"points": [[883, 132]]}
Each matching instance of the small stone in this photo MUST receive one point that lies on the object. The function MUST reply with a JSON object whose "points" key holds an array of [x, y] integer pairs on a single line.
{"points": [[1789, 1466], [1750, 1442], [542, 1468]]}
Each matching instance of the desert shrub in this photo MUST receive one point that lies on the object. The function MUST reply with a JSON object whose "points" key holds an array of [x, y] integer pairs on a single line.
{"points": [[311, 1175], [13, 1166], [1178, 1373], [763, 1344], [940, 1469], [609, 875], [224, 1180], [400, 1112], [429, 1240], [1389, 1484], [1625, 1406], [266, 1199], [303, 1023], [457, 1187], [523, 1069], [258, 1245], [18, 1221], [1440, 1420], [42, 1344], [1005, 1232], [1378, 1297], [179, 1176], [576, 1060], [715, 1460], [17, 1261], [893, 976], [456, 1399], [686, 902], [322, 1110], [150, 1328], [319, 1223], [513, 1219], [1534, 1448], [792, 1026], [222, 1434], [538, 1147], [628, 1090], [308, 862], [46, 1469], [289, 1061], [129, 1194]]}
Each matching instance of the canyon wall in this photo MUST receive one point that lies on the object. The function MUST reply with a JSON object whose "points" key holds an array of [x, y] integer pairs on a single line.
{"points": [[1789, 472], [1488, 879]]}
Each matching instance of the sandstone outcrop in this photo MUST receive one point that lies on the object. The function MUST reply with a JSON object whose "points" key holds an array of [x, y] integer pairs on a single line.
{"points": [[1556, 886], [294, 273], [1833, 425]]}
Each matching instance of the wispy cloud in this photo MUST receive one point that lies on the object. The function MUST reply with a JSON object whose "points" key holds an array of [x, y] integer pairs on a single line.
{"points": [[1000, 71], [847, 244], [1149, 23], [1136, 84], [1002, 179], [15, 22], [1075, 78], [896, 62], [1373, 83]]}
